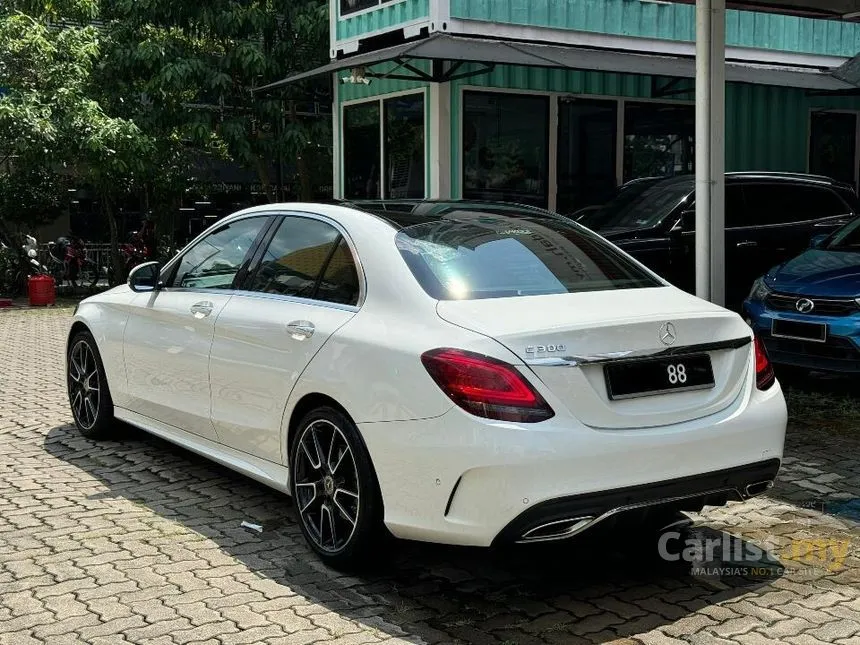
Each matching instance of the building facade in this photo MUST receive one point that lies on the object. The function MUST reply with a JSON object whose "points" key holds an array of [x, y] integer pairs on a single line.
{"points": [[557, 102]]}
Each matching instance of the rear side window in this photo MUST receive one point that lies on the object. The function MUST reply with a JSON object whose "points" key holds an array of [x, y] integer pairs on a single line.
{"points": [[770, 204], [308, 258], [480, 255]]}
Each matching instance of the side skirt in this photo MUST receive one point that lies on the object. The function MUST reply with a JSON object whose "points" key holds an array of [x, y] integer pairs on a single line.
{"points": [[265, 472]]}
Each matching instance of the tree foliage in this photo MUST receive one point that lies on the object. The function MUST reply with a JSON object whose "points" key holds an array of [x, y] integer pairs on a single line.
{"points": [[196, 65]]}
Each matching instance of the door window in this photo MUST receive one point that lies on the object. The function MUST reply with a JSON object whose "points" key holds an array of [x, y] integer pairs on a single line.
{"points": [[215, 260], [308, 258]]}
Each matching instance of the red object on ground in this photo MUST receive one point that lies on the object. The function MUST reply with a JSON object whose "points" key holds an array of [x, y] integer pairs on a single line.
{"points": [[41, 290], [5, 302]]}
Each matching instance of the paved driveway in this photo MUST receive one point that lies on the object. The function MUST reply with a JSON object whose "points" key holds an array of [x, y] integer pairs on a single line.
{"points": [[137, 541]]}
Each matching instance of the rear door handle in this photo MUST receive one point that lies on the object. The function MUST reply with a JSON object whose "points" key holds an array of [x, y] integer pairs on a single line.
{"points": [[202, 309], [746, 244], [301, 329]]}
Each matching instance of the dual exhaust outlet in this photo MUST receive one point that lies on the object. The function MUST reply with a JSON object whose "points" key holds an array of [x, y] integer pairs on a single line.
{"points": [[569, 527]]}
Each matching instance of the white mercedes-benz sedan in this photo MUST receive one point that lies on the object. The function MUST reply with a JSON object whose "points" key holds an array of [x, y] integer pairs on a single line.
{"points": [[455, 372]]}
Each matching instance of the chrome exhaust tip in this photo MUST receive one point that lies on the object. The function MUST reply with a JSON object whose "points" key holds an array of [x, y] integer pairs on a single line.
{"points": [[558, 530], [758, 488]]}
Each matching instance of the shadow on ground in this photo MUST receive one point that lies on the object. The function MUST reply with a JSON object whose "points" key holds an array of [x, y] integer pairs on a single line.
{"points": [[598, 590]]}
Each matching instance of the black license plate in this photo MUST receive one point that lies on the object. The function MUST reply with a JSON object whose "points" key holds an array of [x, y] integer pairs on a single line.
{"points": [[799, 330], [650, 377]]}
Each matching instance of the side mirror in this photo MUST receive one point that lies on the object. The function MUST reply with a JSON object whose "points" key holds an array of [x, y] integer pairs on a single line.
{"points": [[818, 241], [145, 277], [687, 223]]}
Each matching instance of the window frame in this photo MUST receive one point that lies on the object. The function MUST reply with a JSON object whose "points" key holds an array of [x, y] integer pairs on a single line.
{"points": [[551, 160], [377, 4], [380, 101], [244, 288], [457, 161], [168, 272]]}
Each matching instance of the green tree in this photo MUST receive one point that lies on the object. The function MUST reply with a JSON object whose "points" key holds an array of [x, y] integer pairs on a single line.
{"points": [[196, 65], [53, 124]]}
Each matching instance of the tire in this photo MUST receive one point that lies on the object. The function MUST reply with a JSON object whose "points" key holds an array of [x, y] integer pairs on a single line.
{"points": [[334, 486], [89, 395]]}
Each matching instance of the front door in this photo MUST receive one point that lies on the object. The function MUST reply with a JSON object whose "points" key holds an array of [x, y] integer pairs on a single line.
{"points": [[305, 288], [169, 332]]}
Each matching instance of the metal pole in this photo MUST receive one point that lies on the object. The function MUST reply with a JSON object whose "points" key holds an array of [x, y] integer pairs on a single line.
{"points": [[710, 149]]}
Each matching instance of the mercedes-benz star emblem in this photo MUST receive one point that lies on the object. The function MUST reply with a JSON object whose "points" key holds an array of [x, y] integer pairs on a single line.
{"points": [[668, 336], [804, 305]]}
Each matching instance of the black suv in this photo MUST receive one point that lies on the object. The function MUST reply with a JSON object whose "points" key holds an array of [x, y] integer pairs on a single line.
{"points": [[770, 217]]}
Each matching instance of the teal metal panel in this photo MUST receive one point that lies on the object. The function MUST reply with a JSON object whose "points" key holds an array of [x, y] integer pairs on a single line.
{"points": [[668, 21], [387, 16]]}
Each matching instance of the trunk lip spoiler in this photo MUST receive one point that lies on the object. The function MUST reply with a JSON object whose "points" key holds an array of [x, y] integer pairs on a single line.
{"points": [[637, 355]]}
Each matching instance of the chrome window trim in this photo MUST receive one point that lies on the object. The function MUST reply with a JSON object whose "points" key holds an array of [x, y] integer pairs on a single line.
{"points": [[295, 299], [634, 355]]}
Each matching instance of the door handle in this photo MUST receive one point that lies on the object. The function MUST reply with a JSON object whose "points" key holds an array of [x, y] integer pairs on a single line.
{"points": [[746, 244], [301, 329], [202, 309]]}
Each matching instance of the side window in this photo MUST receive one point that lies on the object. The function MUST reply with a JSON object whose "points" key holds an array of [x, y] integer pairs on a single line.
{"points": [[736, 210], [215, 260], [308, 258], [340, 281], [790, 203]]}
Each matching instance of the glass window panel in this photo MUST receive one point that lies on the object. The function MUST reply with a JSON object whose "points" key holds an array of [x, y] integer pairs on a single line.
{"points": [[340, 280], [215, 260], [361, 151], [351, 6], [506, 147], [788, 203], [295, 258], [470, 255], [404, 147], [833, 146], [587, 131], [659, 140]]}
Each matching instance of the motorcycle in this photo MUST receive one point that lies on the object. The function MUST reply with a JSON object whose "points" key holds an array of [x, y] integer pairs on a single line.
{"points": [[71, 262], [136, 251], [19, 264]]}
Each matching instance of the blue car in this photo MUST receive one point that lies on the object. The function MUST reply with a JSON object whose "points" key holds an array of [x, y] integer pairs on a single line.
{"points": [[807, 310]]}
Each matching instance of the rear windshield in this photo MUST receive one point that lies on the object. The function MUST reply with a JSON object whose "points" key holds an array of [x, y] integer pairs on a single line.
{"points": [[638, 206], [471, 255]]}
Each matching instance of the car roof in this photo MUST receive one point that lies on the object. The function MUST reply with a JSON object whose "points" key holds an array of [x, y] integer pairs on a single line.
{"points": [[401, 213], [733, 177]]}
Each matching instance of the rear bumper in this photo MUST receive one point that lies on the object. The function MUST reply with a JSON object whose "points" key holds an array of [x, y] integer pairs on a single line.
{"points": [[457, 479], [566, 517]]}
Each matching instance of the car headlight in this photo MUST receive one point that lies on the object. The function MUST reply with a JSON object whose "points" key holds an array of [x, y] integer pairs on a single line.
{"points": [[759, 290]]}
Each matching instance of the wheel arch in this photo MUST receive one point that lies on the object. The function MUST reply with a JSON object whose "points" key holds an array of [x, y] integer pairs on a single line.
{"points": [[303, 406], [77, 327], [312, 401]]}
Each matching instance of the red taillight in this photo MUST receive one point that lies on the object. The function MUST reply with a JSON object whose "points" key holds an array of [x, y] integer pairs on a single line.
{"points": [[485, 387], [764, 376]]}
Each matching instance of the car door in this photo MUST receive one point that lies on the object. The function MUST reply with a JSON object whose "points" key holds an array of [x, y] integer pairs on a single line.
{"points": [[684, 238], [169, 332], [305, 287]]}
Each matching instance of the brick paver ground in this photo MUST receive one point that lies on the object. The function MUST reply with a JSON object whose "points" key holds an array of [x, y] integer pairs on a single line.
{"points": [[137, 541]]}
